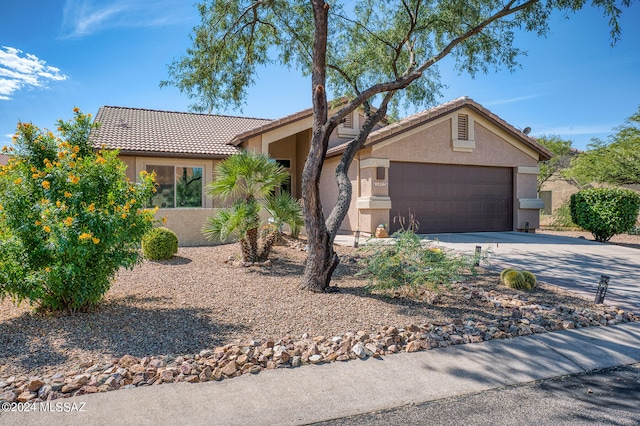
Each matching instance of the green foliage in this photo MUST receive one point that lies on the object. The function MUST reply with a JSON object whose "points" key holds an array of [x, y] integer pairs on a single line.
{"points": [[562, 216], [69, 218], [285, 209], [159, 244], [616, 161], [561, 150], [248, 178], [369, 43], [530, 280], [605, 212], [408, 262]]}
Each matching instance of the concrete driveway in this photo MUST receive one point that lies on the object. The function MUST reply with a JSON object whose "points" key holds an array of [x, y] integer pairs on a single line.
{"points": [[572, 263]]}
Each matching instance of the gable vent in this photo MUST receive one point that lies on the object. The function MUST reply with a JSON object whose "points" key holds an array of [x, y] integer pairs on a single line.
{"points": [[348, 121], [463, 127]]}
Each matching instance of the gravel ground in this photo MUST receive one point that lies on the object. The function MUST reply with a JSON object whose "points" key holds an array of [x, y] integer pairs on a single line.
{"points": [[197, 301]]}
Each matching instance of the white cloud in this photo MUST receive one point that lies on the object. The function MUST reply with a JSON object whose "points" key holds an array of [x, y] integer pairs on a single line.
{"points": [[19, 70], [86, 17], [577, 130], [512, 100]]}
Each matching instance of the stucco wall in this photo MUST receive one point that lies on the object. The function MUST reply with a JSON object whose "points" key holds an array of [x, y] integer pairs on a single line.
{"points": [[433, 144], [329, 193], [187, 224], [131, 167], [303, 142]]}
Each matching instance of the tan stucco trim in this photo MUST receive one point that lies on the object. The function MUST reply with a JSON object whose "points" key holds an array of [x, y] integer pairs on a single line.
{"points": [[350, 132], [373, 202], [470, 126], [287, 130], [464, 145], [374, 162], [531, 203], [527, 170]]}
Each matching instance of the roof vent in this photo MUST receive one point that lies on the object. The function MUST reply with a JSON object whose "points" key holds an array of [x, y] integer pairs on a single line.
{"points": [[124, 124]]}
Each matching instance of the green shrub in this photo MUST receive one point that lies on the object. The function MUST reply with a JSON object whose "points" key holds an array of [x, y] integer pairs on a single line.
{"points": [[159, 244], [530, 279], [605, 212], [69, 218], [409, 262]]}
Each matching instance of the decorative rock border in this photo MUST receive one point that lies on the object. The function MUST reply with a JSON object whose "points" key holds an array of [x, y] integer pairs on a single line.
{"points": [[233, 360]]}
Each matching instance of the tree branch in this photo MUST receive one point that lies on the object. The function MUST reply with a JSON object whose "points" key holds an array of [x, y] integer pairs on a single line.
{"points": [[342, 178], [404, 81]]}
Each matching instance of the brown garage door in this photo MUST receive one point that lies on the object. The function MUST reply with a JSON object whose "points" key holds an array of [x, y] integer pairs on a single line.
{"points": [[448, 198]]}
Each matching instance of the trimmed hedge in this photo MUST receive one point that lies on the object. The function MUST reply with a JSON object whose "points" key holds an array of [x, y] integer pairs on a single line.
{"points": [[159, 244], [605, 212]]}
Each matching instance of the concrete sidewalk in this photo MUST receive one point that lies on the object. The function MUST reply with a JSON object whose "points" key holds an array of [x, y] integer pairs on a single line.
{"points": [[315, 393]]}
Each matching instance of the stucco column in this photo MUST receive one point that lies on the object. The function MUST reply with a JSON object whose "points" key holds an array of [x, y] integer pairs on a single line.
{"points": [[373, 203], [528, 204]]}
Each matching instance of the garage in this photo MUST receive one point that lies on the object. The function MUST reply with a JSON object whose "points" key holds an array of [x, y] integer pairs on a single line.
{"points": [[451, 198]]}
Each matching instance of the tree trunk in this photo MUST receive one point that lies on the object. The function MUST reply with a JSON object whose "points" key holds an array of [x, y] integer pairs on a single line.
{"points": [[321, 259], [268, 240], [252, 245]]}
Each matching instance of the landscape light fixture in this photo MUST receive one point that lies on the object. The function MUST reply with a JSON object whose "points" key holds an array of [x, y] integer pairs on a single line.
{"points": [[477, 256], [601, 291]]}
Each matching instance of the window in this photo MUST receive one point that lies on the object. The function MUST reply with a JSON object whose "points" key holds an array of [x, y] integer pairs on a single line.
{"points": [[177, 186], [284, 163], [546, 196], [286, 185]]}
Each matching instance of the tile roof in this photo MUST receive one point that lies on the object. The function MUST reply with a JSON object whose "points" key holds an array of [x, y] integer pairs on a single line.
{"points": [[4, 159], [165, 132], [419, 118], [305, 113], [240, 137]]}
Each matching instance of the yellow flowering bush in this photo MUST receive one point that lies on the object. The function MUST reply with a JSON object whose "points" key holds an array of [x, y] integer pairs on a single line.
{"points": [[63, 230]]}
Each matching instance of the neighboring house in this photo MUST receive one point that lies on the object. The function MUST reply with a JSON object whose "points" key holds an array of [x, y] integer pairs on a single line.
{"points": [[457, 167], [555, 192], [4, 159]]}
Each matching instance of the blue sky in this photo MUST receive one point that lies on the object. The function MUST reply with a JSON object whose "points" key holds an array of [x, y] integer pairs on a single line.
{"points": [[55, 55]]}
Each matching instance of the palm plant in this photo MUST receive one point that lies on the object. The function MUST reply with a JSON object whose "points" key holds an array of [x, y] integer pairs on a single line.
{"points": [[246, 179], [285, 209]]}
